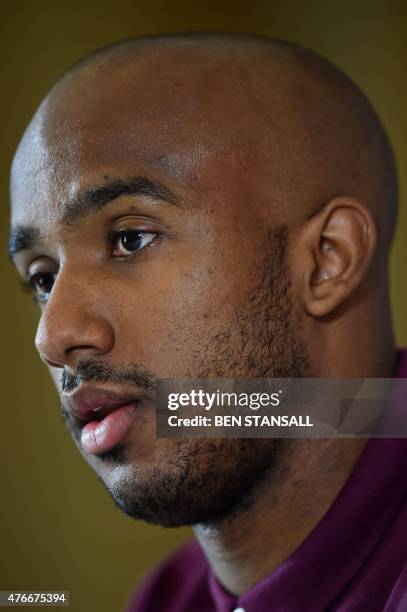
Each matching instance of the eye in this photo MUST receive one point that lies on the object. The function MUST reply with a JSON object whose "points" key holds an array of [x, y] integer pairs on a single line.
{"points": [[41, 283], [128, 242]]}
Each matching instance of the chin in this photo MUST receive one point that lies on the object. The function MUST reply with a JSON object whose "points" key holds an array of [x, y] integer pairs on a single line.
{"points": [[194, 481]]}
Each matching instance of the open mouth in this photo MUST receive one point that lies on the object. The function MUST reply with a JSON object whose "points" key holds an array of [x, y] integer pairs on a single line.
{"points": [[103, 433], [104, 416]]}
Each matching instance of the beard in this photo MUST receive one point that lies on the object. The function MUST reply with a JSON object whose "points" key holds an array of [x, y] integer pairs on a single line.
{"points": [[208, 480]]}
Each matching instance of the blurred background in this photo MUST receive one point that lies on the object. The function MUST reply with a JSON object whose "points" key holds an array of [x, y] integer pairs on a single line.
{"points": [[59, 529]]}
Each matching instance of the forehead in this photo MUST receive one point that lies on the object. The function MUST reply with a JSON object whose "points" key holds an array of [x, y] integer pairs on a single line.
{"points": [[109, 118]]}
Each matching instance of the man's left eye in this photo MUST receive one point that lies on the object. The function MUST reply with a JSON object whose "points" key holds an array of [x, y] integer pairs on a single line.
{"points": [[128, 242]]}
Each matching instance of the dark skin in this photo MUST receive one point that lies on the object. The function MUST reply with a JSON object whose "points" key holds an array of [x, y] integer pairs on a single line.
{"points": [[240, 165]]}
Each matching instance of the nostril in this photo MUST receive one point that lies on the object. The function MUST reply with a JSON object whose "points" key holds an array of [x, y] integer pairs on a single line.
{"points": [[81, 347]]}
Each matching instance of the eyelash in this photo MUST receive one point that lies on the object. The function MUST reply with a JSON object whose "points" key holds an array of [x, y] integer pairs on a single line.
{"points": [[114, 236], [28, 287]]}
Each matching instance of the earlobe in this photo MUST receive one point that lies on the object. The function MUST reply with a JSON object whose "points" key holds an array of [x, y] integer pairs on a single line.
{"points": [[342, 238]]}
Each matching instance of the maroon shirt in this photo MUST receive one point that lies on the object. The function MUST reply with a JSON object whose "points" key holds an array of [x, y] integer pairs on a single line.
{"points": [[354, 560]]}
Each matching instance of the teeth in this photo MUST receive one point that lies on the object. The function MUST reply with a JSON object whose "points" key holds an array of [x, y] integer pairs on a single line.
{"points": [[97, 409]]}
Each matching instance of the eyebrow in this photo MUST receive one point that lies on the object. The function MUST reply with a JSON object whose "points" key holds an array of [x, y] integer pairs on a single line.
{"points": [[22, 238], [92, 200], [95, 198]]}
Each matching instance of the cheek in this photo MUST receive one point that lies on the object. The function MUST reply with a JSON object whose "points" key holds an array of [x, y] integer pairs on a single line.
{"points": [[170, 313], [162, 326], [162, 330]]}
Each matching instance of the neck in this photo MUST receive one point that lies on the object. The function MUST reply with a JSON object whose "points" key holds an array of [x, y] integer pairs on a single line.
{"points": [[283, 510], [247, 546]]}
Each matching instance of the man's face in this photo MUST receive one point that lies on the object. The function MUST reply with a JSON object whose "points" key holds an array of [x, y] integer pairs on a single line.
{"points": [[153, 254]]}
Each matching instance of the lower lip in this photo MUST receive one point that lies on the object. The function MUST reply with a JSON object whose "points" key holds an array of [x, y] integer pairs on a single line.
{"points": [[98, 437]]}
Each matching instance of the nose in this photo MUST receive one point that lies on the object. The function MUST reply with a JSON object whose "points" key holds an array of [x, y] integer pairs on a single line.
{"points": [[73, 325]]}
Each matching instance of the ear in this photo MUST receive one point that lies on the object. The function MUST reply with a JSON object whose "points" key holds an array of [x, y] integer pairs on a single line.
{"points": [[340, 242]]}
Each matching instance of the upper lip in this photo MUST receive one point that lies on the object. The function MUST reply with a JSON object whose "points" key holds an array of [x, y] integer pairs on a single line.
{"points": [[92, 403]]}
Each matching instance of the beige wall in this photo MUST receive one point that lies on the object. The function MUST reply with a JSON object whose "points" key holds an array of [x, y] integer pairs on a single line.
{"points": [[59, 529]]}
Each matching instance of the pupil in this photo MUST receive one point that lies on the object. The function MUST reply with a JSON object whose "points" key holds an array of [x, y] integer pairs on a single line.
{"points": [[43, 283], [131, 240]]}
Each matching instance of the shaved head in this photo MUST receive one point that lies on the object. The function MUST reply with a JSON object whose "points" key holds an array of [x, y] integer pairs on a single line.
{"points": [[308, 129], [203, 206]]}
